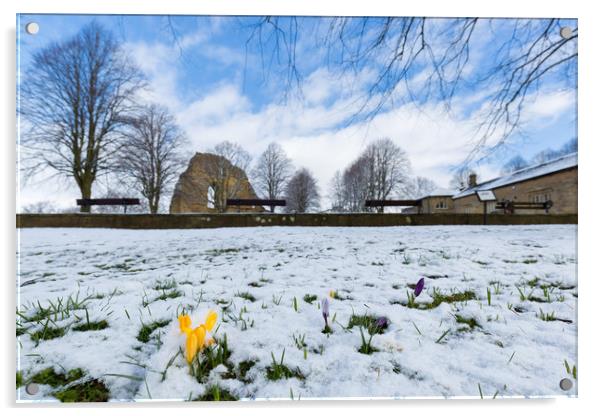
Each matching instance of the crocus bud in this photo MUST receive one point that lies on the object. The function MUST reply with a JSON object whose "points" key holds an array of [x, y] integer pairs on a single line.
{"points": [[325, 308], [419, 287], [382, 322]]}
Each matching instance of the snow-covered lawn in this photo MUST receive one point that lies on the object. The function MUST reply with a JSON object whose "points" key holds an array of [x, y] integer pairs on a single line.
{"points": [[102, 304]]}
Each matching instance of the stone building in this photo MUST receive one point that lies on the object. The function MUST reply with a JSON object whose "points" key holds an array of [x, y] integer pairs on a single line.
{"points": [[439, 201], [196, 187], [555, 180]]}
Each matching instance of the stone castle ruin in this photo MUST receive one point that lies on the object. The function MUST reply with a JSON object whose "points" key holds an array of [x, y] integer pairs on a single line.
{"points": [[198, 188]]}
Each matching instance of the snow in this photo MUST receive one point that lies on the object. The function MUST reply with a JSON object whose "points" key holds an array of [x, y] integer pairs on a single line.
{"points": [[513, 353], [438, 192], [555, 165]]}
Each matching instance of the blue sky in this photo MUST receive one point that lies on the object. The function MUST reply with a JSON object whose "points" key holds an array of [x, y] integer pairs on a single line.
{"points": [[219, 89]]}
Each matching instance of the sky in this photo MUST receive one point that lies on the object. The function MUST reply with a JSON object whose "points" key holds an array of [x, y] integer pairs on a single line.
{"points": [[219, 88]]}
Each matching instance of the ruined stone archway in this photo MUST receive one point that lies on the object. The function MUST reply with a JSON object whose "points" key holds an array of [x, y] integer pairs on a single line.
{"points": [[191, 193]]}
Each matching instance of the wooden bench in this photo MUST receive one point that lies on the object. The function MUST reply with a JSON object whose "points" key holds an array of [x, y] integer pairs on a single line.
{"points": [[256, 202], [510, 206], [108, 201]]}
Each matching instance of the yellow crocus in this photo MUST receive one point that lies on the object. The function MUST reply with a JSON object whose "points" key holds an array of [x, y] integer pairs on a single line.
{"points": [[185, 323], [332, 293], [211, 320], [195, 338], [192, 346], [200, 333]]}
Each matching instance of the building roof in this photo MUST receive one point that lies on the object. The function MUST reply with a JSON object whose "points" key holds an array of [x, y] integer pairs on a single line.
{"points": [[438, 192], [531, 172]]}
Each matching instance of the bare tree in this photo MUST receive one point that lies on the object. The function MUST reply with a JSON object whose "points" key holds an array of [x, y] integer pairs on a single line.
{"points": [[150, 158], [380, 171], [75, 98], [227, 173], [459, 180], [272, 171], [431, 58], [516, 163], [418, 187], [570, 146], [302, 192], [389, 168], [337, 193], [549, 154], [357, 179]]}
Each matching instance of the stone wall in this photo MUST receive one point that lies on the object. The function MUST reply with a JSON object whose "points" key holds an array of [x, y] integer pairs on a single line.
{"points": [[163, 221]]}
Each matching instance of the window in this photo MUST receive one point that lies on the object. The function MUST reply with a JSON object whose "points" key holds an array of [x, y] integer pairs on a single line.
{"points": [[541, 197], [441, 205]]}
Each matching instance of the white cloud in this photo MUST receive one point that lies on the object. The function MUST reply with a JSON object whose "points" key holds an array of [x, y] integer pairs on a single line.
{"points": [[313, 138], [216, 108], [550, 106], [156, 62]]}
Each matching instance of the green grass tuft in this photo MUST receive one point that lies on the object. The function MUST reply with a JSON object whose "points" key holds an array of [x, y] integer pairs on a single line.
{"points": [[47, 333], [210, 358], [244, 367], [368, 322], [216, 394], [165, 284], [439, 298], [278, 370], [366, 347], [90, 391], [172, 294], [220, 251], [92, 326], [147, 329], [310, 298], [21, 330], [49, 377], [246, 295], [471, 322]]}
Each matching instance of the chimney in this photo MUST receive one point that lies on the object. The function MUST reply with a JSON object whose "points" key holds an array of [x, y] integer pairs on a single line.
{"points": [[472, 180]]}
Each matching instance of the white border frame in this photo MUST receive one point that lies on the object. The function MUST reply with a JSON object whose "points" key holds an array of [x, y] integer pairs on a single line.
{"points": [[590, 202]]}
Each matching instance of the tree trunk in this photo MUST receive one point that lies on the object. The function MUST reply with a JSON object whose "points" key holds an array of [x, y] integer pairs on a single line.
{"points": [[151, 206], [86, 191]]}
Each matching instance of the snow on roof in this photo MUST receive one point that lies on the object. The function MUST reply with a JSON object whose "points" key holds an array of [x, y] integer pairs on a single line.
{"points": [[438, 192], [551, 166]]}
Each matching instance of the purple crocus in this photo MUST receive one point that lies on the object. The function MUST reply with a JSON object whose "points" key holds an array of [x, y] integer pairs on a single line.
{"points": [[419, 287], [325, 313], [325, 310], [382, 323]]}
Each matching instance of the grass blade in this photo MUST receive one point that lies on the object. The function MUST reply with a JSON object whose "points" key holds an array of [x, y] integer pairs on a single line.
{"points": [[442, 336]]}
